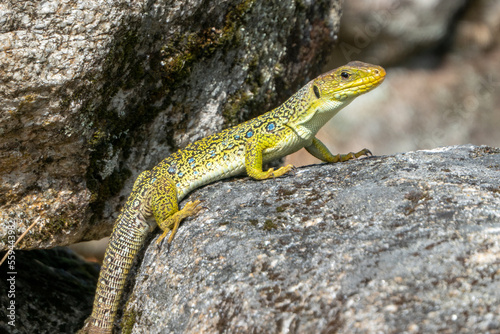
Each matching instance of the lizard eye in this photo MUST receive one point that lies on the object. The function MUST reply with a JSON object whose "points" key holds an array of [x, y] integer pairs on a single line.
{"points": [[345, 75], [316, 91]]}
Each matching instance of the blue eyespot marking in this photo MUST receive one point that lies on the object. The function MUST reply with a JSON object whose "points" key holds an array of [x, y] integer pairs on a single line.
{"points": [[225, 156], [178, 185], [191, 160], [171, 169], [212, 153], [249, 134], [237, 137], [271, 126], [180, 174], [195, 172], [209, 164]]}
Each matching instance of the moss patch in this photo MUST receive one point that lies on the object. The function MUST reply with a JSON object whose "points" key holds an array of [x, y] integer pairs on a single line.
{"points": [[128, 321], [254, 222], [416, 198], [269, 225], [184, 49]]}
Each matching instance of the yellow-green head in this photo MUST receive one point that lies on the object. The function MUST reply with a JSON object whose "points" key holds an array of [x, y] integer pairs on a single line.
{"points": [[325, 96], [347, 82]]}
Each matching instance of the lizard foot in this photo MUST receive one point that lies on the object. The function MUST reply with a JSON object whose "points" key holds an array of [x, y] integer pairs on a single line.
{"points": [[172, 222], [277, 173], [351, 155]]}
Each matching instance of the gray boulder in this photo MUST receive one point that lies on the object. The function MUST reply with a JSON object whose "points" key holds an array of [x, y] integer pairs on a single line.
{"points": [[403, 243]]}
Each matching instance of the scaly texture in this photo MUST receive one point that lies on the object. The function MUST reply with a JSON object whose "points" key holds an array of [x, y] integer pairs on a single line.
{"points": [[243, 148]]}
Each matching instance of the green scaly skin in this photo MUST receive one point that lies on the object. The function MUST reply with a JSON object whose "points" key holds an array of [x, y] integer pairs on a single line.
{"points": [[234, 151]]}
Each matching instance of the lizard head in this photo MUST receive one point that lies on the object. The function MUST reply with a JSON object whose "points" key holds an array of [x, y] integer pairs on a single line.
{"points": [[325, 96], [341, 85]]}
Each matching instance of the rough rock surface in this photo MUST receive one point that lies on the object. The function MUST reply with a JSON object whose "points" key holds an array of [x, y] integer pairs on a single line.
{"points": [[403, 243], [93, 92]]}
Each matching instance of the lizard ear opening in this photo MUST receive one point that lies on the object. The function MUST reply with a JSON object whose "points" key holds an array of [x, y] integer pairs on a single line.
{"points": [[316, 91]]}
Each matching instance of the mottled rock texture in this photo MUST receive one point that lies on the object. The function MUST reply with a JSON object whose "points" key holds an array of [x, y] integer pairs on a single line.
{"points": [[94, 92], [403, 243]]}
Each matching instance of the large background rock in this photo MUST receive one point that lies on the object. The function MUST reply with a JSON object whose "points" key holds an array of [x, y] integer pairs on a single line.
{"points": [[394, 31], [93, 92]]}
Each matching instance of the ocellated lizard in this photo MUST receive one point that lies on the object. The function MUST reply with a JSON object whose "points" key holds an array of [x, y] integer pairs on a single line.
{"points": [[234, 151]]}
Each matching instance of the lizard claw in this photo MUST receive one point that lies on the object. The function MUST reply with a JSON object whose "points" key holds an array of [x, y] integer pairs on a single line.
{"points": [[364, 151]]}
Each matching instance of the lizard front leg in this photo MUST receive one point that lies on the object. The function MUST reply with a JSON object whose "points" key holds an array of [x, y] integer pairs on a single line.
{"points": [[254, 150], [320, 151]]}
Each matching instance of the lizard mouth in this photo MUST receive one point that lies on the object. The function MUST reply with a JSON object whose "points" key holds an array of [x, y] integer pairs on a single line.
{"points": [[349, 81], [359, 79]]}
